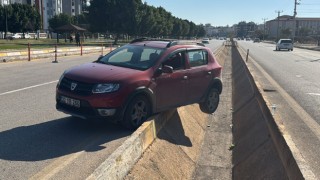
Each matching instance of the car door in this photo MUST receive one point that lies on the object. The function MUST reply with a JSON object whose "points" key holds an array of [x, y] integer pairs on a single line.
{"points": [[199, 75], [170, 89]]}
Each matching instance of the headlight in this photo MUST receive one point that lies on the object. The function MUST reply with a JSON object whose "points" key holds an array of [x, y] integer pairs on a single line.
{"points": [[105, 88]]}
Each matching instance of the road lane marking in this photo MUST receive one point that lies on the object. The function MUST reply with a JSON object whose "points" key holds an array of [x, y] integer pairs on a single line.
{"points": [[30, 87], [314, 94]]}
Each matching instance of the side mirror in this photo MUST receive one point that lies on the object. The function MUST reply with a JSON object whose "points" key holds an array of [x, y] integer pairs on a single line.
{"points": [[164, 69], [167, 69]]}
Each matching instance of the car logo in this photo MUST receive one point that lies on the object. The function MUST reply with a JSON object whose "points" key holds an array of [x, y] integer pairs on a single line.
{"points": [[73, 86]]}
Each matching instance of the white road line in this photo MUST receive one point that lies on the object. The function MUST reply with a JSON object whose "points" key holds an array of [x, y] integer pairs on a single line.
{"points": [[315, 94], [30, 87]]}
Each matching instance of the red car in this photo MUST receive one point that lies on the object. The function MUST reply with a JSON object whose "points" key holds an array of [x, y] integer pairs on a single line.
{"points": [[139, 79]]}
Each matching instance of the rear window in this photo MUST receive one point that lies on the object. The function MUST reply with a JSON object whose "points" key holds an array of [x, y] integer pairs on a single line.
{"points": [[286, 41]]}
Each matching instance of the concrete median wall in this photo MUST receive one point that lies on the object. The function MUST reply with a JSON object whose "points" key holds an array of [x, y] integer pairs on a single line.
{"points": [[260, 150]]}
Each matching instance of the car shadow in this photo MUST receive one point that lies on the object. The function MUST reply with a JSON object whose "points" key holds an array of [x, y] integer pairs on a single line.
{"points": [[57, 138], [173, 131]]}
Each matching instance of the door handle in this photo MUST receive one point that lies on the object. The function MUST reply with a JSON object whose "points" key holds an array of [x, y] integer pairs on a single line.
{"points": [[185, 77], [209, 72]]}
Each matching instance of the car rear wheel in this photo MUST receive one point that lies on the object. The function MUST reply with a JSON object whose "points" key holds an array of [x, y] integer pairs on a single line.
{"points": [[138, 111], [211, 103]]}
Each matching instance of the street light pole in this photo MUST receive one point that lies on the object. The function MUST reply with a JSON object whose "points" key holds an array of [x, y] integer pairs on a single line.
{"points": [[6, 11], [278, 24], [264, 27]]}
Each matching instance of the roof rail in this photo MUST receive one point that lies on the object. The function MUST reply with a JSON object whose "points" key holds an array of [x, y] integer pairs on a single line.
{"points": [[139, 40], [171, 42]]}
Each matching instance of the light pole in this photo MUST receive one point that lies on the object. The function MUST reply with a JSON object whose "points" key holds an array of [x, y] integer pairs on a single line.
{"points": [[6, 11], [278, 24], [264, 27]]}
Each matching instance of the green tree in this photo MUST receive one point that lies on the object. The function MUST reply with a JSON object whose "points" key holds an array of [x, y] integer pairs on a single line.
{"points": [[60, 20], [20, 18], [201, 31], [145, 20], [116, 16]]}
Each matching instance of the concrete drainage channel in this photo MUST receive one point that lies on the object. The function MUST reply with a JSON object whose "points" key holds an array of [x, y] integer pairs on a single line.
{"points": [[259, 151]]}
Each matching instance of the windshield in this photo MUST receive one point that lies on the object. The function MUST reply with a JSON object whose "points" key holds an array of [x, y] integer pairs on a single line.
{"points": [[132, 56], [286, 41]]}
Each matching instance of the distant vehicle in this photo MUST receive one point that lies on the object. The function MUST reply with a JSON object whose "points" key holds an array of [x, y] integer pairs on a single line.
{"points": [[256, 40], [205, 40], [14, 36], [284, 44], [27, 36], [248, 39]]}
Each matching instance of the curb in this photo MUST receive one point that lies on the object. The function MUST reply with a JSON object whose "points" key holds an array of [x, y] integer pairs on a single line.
{"points": [[121, 161], [47, 53]]}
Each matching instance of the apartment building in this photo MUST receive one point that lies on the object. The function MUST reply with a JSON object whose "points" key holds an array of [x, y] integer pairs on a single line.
{"points": [[294, 25]]}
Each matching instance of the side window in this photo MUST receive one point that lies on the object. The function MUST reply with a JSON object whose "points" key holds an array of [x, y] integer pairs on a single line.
{"points": [[176, 61], [198, 58]]}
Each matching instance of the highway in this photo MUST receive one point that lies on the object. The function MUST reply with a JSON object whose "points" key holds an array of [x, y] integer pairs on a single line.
{"points": [[37, 141], [297, 72], [290, 81]]}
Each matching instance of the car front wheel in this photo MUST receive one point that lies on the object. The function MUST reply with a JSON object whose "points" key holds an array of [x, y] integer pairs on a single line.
{"points": [[138, 111], [211, 103]]}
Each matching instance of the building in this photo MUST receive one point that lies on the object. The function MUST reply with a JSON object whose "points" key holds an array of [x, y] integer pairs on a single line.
{"points": [[289, 27], [72, 7]]}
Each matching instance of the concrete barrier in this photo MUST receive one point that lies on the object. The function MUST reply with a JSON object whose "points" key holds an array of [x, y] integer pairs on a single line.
{"points": [[119, 163], [260, 149]]}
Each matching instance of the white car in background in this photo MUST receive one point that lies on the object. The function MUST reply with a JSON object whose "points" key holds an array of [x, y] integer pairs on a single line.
{"points": [[284, 44], [205, 40], [14, 36]]}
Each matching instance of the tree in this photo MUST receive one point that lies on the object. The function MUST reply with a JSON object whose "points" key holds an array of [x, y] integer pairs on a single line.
{"points": [[145, 20], [201, 31], [60, 20], [20, 18], [116, 16]]}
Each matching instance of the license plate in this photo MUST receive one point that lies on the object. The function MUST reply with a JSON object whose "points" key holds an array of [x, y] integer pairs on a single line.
{"points": [[70, 101]]}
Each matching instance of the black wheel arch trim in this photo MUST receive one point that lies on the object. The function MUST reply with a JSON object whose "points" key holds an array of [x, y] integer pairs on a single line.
{"points": [[215, 83], [140, 91]]}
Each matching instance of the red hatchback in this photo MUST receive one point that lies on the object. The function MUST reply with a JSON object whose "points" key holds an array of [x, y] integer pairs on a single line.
{"points": [[139, 79]]}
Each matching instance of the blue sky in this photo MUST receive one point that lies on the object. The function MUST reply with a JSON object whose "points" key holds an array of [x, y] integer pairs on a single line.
{"points": [[229, 12]]}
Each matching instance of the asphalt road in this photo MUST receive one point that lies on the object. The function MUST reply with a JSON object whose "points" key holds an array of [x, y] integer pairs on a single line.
{"points": [[290, 81], [38, 142], [296, 71]]}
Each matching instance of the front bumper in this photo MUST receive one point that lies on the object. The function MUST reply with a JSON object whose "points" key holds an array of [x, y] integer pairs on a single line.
{"points": [[86, 111]]}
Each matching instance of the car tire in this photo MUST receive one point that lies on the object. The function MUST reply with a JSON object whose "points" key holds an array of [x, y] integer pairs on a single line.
{"points": [[137, 112], [211, 102]]}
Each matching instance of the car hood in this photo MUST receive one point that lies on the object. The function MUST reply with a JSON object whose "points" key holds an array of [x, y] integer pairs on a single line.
{"points": [[99, 73]]}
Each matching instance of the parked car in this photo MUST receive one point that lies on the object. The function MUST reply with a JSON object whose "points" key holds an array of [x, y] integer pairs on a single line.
{"points": [[284, 44], [205, 40], [256, 40], [139, 79], [14, 36], [27, 36]]}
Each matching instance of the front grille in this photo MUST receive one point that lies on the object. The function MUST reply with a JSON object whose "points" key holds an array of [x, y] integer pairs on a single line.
{"points": [[80, 88]]}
